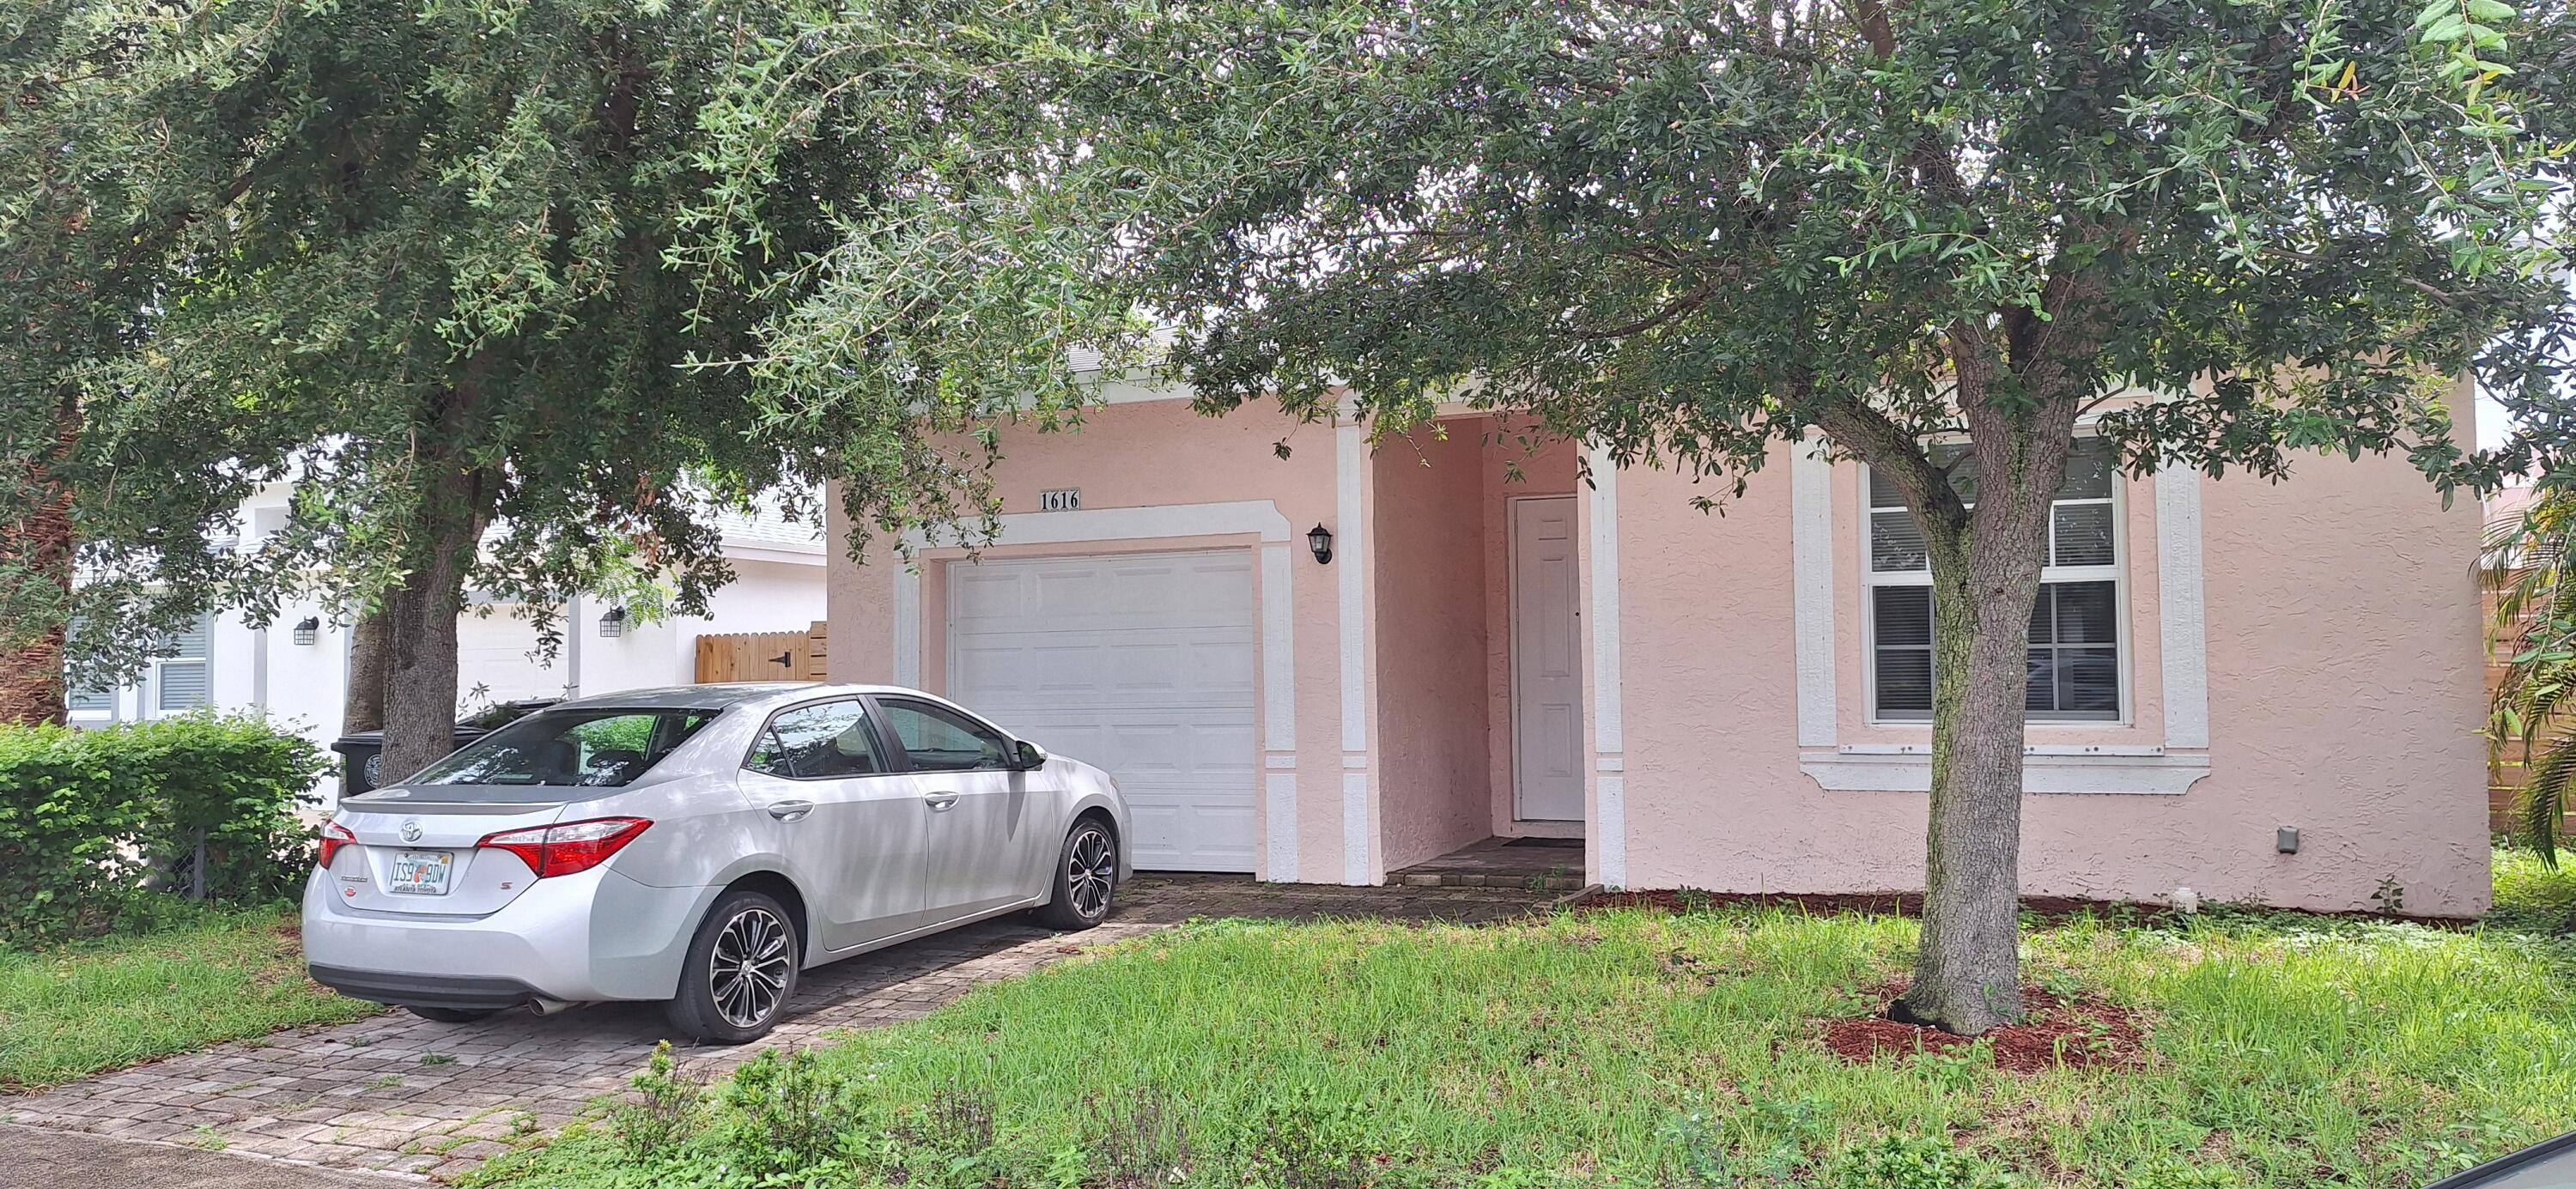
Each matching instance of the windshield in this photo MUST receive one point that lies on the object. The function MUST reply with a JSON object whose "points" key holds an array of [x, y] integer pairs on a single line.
{"points": [[600, 748]]}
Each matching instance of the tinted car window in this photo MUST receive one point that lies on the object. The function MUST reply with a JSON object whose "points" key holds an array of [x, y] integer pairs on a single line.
{"points": [[601, 748], [942, 740], [817, 743]]}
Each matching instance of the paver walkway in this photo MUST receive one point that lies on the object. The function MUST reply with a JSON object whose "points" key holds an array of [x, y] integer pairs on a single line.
{"points": [[46, 1158], [399, 1094]]}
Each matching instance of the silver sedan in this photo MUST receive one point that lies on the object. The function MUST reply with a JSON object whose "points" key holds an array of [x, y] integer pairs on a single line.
{"points": [[700, 845]]}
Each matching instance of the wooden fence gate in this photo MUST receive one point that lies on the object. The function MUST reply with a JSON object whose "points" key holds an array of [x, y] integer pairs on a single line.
{"points": [[763, 656]]}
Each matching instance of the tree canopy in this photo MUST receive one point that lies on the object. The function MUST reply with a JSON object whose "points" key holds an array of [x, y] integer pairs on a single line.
{"points": [[486, 281]]}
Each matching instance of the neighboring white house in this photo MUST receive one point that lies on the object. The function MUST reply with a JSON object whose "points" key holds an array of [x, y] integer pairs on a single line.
{"points": [[295, 670]]}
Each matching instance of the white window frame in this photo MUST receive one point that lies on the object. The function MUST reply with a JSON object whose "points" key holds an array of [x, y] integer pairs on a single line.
{"points": [[152, 707], [2116, 573]]}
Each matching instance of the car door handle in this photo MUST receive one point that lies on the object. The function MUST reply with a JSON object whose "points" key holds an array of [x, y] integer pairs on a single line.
{"points": [[788, 811], [939, 802]]}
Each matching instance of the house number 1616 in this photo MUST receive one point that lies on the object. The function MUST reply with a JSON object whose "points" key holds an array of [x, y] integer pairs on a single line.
{"points": [[1062, 499]]}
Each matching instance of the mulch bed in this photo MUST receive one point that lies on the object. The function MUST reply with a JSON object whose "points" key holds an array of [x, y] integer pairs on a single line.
{"points": [[2079, 1033], [2049, 909], [2052, 908]]}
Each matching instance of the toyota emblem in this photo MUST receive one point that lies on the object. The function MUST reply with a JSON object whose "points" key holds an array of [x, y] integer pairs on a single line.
{"points": [[411, 831]]}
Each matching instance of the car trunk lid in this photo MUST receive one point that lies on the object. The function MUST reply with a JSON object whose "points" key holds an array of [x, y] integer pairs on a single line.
{"points": [[412, 850]]}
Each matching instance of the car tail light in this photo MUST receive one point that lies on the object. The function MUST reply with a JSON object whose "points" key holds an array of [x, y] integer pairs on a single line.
{"points": [[334, 836], [570, 847]]}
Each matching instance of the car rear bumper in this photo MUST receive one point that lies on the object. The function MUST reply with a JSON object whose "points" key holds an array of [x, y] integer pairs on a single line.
{"points": [[576, 938], [463, 992]]}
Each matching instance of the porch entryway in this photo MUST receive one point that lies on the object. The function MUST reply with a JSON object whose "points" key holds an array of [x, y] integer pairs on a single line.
{"points": [[1478, 641], [1530, 864]]}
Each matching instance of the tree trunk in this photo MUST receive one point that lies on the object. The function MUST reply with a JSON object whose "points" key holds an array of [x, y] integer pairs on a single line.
{"points": [[31, 676], [362, 708], [420, 662], [36, 550], [1967, 970]]}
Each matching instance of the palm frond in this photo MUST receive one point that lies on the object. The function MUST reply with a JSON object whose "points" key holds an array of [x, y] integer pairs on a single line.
{"points": [[2542, 803]]}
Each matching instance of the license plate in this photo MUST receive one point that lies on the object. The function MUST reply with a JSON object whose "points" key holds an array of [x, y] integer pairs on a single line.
{"points": [[419, 873]]}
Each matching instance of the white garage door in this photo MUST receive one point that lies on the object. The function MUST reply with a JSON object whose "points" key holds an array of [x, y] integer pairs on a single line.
{"points": [[1139, 663]]}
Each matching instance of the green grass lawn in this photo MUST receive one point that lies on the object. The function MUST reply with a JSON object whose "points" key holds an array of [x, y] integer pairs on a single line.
{"points": [[72, 1010], [1635, 1048], [2532, 897]]}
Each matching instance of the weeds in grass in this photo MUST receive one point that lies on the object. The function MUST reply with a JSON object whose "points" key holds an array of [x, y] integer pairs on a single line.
{"points": [[1917, 1162], [664, 1112], [1306, 1139], [1144, 1145], [786, 1115]]}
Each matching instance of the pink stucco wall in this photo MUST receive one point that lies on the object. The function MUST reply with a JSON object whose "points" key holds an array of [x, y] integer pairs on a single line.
{"points": [[2344, 688], [1429, 571], [2342, 641]]}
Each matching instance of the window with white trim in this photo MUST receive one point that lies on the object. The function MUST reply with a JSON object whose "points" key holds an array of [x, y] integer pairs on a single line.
{"points": [[2076, 641], [185, 678]]}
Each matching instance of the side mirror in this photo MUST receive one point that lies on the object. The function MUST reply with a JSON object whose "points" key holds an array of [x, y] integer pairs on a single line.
{"points": [[1027, 756]]}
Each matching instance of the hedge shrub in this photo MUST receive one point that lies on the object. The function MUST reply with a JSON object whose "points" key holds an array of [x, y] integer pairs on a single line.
{"points": [[99, 829]]}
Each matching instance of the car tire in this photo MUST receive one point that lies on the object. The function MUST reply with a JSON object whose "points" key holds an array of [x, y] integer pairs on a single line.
{"points": [[740, 971], [451, 1015], [1086, 877]]}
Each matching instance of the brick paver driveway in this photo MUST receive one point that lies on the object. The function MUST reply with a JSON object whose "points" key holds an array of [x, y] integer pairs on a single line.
{"points": [[402, 1095]]}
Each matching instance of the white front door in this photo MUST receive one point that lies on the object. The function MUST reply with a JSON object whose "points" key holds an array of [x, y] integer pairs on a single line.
{"points": [[1547, 684], [1141, 663]]}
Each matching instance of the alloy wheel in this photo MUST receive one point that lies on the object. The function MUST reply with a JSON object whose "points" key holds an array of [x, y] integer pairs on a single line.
{"points": [[749, 968], [1090, 871]]}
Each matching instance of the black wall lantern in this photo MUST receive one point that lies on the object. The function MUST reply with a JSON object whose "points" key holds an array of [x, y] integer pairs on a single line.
{"points": [[613, 624], [308, 631], [1320, 539]]}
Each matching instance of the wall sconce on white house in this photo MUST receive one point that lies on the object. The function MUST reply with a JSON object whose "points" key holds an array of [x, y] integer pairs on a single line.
{"points": [[309, 631], [1320, 540], [613, 624]]}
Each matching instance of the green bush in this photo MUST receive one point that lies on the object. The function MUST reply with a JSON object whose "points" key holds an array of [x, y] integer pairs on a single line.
{"points": [[100, 830]]}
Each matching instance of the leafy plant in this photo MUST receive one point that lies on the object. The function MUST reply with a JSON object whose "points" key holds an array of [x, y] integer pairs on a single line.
{"points": [[1306, 1139], [785, 1115], [1917, 1162], [106, 829], [664, 1111]]}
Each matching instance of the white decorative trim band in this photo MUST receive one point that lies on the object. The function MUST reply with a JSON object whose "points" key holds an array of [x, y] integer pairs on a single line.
{"points": [[1811, 514], [1355, 842], [2139, 768], [1350, 508], [1848, 770], [1127, 524], [1282, 814], [1278, 650], [2185, 638], [1280, 762], [1610, 795], [1351, 530], [1607, 714], [1612, 809], [907, 627]]}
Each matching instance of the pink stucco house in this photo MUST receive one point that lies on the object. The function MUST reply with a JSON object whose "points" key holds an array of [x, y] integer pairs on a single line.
{"points": [[1734, 702]]}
